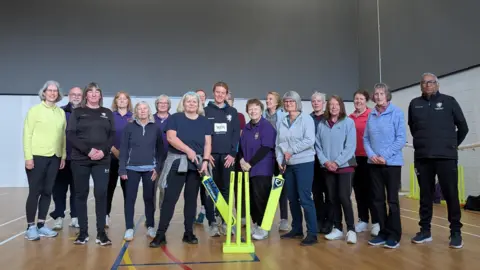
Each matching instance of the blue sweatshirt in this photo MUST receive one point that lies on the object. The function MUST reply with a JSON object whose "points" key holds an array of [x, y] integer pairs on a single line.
{"points": [[141, 147], [336, 143], [226, 128], [385, 135], [297, 138]]}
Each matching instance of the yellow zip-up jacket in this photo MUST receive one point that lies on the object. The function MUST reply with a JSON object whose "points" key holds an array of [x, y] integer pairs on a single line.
{"points": [[44, 132]]}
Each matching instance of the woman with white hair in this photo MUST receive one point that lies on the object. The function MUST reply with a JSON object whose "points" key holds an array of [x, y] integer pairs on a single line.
{"points": [[140, 155], [189, 135], [295, 156], [44, 148]]}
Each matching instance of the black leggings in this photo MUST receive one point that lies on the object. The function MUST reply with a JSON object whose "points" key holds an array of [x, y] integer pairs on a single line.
{"points": [[40, 184], [362, 184], [112, 184], [175, 183], [260, 187], [81, 177], [339, 187]]}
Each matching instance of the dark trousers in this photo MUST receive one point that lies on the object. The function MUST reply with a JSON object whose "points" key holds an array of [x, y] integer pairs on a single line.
{"points": [[298, 179], [447, 172], [132, 190], [81, 177], [339, 186], [386, 179], [260, 187], [283, 201], [362, 185], [41, 179], [62, 182], [319, 191], [112, 184], [221, 175], [175, 183]]}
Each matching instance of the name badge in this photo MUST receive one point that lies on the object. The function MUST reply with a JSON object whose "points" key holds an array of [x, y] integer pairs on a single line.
{"points": [[220, 128]]}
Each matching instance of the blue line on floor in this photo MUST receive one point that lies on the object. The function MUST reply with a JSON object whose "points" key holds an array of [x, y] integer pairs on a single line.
{"points": [[119, 258], [254, 259]]}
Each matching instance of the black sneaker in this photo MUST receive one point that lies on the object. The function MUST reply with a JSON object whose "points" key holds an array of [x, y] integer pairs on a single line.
{"points": [[102, 239], [190, 238], [82, 239], [456, 240], [309, 240], [422, 237], [158, 241], [292, 235]]}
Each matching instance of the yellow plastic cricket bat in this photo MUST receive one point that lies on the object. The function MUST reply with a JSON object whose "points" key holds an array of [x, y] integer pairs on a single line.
{"points": [[272, 203], [217, 197]]}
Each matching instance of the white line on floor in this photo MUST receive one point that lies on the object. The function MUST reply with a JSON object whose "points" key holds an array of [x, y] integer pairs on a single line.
{"points": [[433, 224], [471, 225], [23, 232]]}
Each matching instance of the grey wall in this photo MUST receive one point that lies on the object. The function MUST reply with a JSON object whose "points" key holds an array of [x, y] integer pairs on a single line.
{"points": [[148, 47], [439, 36]]}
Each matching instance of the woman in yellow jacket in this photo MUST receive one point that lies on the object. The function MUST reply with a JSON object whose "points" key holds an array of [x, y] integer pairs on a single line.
{"points": [[45, 153]]}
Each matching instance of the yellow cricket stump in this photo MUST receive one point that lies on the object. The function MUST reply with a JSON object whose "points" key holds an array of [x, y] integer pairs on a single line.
{"points": [[415, 189], [239, 246]]}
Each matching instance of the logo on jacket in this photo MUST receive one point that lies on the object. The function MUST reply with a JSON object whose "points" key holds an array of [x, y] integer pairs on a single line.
{"points": [[439, 106], [103, 115], [256, 136], [229, 117]]}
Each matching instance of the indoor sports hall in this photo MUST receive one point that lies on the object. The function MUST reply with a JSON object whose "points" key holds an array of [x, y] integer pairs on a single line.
{"points": [[150, 48]]}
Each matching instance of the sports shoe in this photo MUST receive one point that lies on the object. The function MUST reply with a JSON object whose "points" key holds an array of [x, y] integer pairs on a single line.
{"points": [[335, 234], [376, 241], [284, 225], [74, 223], [309, 240], [151, 232], [128, 235], [260, 234], [190, 238], [361, 227], [102, 239], [213, 230], [375, 229], [200, 218], [32, 233], [456, 240], [422, 237], [292, 235], [351, 237], [158, 241], [392, 244], [47, 232], [58, 224], [82, 239]]}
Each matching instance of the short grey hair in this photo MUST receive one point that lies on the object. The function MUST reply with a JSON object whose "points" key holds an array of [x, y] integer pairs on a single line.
{"points": [[430, 74], [385, 88], [158, 100], [320, 95], [41, 92], [296, 97], [188, 95], [135, 113]]}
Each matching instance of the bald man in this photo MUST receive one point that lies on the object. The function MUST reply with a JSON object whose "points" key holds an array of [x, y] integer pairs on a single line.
{"points": [[64, 177]]}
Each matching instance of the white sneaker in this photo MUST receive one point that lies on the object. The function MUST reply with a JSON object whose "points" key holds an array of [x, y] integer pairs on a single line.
{"points": [[335, 234], [361, 227], [107, 221], [74, 223], [213, 230], [128, 235], [260, 234], [151, 232], [375, 229], [284, 225], [223, 229], [254, 228], [351, 237], [58, 224]]}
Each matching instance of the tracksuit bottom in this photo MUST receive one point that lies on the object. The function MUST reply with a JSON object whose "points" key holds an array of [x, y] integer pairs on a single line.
{"points": [[148, 184], [62, 182], [339, 186]]}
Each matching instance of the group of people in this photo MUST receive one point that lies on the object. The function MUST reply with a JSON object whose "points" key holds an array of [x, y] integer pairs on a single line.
{"points": [[324, 154]]}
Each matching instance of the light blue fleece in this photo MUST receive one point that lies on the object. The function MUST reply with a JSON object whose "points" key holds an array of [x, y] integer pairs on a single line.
{"points": [[385, 135], [297, 139], [337, 143]]}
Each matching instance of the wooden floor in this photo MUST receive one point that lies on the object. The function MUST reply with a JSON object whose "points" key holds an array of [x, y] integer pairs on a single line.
{"points": [[60, 253]]}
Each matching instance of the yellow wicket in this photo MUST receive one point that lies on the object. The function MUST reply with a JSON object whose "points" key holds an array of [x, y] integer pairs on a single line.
{"points": [[415, 189], [239, 246]]}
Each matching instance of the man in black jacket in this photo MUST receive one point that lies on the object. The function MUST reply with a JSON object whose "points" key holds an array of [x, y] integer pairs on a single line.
{"points": [[225, 138], [438, 127]]}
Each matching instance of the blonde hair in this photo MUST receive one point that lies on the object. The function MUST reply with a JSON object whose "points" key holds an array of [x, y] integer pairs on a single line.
{"points": [[188, 95], [277, 97], [117, 96], [150, 115]]}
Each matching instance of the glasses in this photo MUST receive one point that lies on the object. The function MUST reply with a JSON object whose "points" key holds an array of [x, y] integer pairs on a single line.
{"points": [[289, 101], [75, 95], [429, 83]]}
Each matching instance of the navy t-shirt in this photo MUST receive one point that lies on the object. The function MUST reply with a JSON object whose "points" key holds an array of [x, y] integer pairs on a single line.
{"points": [[190, 132]]}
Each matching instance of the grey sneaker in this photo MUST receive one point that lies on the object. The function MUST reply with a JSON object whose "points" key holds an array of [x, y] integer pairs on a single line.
{"points": [[32, 233], [284, 225], [47, 232]]}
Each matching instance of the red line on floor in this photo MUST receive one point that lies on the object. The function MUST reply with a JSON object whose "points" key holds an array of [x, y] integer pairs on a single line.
{"points": [[174, 259]]}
